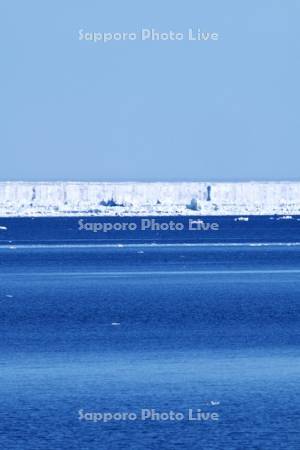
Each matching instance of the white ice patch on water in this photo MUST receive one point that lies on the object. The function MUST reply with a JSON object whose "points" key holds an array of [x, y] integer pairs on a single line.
{"points": [[241, 219]]}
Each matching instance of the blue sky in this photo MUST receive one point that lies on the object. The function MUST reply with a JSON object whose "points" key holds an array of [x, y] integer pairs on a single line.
{"points": [[134, 110]]}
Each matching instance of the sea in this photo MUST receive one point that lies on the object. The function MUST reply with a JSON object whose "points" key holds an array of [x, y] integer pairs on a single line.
{"points": [[162, 338]]}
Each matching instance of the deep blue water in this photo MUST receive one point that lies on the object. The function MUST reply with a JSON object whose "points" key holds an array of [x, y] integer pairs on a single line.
{"points": [[170, 327], [90, 230]]}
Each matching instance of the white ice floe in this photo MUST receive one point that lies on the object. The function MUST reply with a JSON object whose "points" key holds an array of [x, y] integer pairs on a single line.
{"points": [[34, 199], [241, 219]]}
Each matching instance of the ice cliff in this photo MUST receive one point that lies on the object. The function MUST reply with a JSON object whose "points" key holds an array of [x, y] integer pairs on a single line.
{"points": [[79, 198]]}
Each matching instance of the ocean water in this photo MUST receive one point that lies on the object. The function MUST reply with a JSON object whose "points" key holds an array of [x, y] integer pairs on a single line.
{"points": [[148, 230], [88, 330]]}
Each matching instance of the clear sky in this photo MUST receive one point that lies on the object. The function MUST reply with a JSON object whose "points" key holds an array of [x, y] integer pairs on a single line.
{"points": [[150, 110]]}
